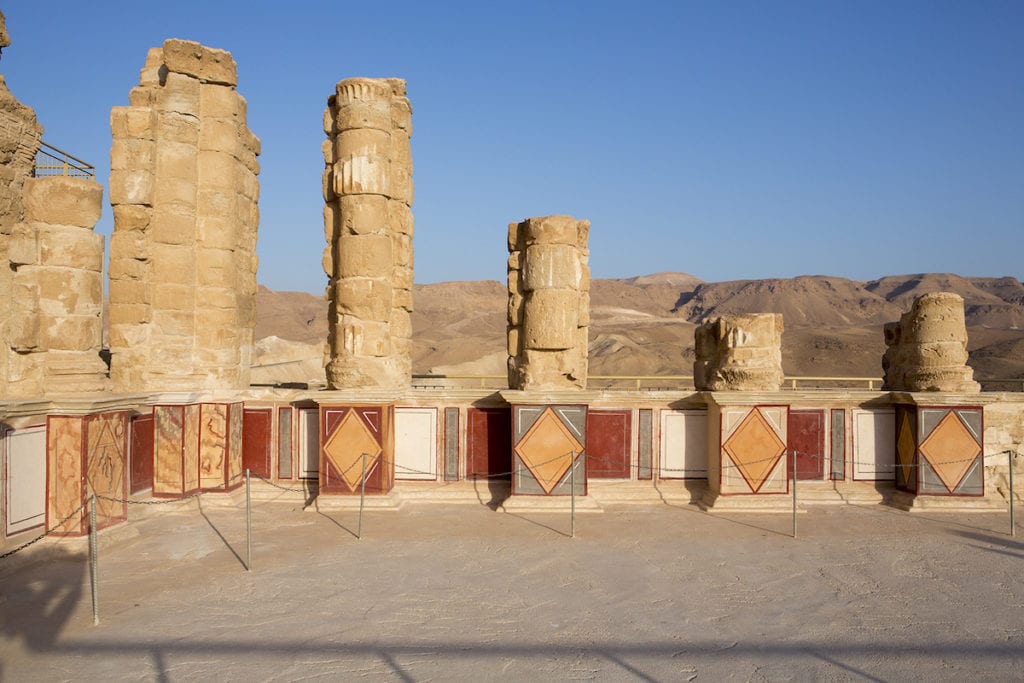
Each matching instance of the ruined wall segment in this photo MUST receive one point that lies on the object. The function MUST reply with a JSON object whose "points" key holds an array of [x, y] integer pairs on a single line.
{"points": [[184, 190], [549, 303], [739, 353], [54, 332], [927, 349], [368, 225]]}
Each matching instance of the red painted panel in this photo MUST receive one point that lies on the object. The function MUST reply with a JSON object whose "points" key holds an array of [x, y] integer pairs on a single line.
{"points": [[609, 434], [256, 433], [142, 453], [488, 443], [806, 429]]}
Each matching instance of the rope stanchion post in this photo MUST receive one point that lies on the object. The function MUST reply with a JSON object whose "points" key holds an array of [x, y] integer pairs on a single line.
{"points": [[793, 457], [94, 562], [248, 522], [572, 489], [1009, 458], [362, 499]]}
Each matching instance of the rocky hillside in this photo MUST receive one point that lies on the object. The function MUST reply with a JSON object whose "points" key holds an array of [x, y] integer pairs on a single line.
{"points": [[644, 325]]}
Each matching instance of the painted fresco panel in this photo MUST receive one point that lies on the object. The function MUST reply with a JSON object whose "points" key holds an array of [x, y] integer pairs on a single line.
{"points": [[235, 444], [645, 444], [256, 435], [141, 454], [213, 449], [309, 443], [547, 455], [356, 449], [838, 450], [65, 478], [26, 479], [284, 443], [169, 427], [488, 443], [906, 467], [874, 449], [416, 443], [807, 443], [190, 450], [451, 444], [106, 466], [684, 444], [609, 437], [753, 450], [950, 451]]}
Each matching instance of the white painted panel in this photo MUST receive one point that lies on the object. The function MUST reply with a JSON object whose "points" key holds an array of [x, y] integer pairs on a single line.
{"points": [[684, 444], [26, 479], [874, 444], [415, 443], [309, 443]]}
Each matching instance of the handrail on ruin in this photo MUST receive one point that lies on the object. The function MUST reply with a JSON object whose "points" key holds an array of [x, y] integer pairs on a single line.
{"points": [[51, 161]]}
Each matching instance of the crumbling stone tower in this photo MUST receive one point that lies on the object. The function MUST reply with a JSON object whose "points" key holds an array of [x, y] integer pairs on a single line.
{"points": [[183, 185], [739, 353], [927, 349], [549, 303], [368, 193]]}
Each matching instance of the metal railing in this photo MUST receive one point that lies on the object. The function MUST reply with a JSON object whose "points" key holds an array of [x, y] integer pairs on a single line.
{"points": [[51, 161]]}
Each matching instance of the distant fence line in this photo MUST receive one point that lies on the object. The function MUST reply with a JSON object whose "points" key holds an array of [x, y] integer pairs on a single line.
{"points": [[51, 161]]}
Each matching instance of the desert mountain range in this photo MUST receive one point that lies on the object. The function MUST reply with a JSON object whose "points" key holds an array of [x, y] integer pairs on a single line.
{"points": [[644, 325]]}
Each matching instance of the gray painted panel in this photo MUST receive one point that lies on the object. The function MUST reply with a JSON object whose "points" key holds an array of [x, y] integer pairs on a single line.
{"points": [[645, 431], [972, 419], [838, 444], [451, 444], [523, 419], [284, 443], [928, 419]]}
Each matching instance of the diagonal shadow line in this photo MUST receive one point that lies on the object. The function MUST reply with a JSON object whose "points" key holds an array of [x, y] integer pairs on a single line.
{"points": [[845, 667], [160, 666], [1008, 553], [540, 524], [1002, 540], [337, 523], [202, 512], [640, 675], [399, 671]]}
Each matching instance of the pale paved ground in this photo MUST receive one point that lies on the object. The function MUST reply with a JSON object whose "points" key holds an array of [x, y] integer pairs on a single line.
{"points": [[462, 593]]}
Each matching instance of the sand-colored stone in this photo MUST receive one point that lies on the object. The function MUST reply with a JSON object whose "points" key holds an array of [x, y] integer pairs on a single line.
{"points": [[548, 304], [367, 189], [927, 349], [739, 353], [184, 192]]}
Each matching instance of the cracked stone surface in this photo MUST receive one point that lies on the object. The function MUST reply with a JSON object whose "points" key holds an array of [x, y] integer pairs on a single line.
{"points": [[437, 592]]}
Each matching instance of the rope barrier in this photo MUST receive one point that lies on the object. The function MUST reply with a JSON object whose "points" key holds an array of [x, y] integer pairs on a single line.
{"points": [[44, 534]]}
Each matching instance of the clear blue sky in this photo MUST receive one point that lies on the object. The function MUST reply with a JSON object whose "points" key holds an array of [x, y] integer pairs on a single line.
{"points": [[729, 140]]}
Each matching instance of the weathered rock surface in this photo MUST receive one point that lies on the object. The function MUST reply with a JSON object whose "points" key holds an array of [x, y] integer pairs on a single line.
{"points": [[739, 353]]}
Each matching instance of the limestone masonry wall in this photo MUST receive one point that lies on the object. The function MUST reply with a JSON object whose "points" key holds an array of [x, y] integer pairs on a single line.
{"points": [[927, 349], [368, 225], [184, 189], [739, 353], [548, 303], [54, 332]]}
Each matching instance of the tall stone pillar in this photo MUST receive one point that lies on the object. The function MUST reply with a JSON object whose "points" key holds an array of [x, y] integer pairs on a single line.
{"points": [[549, 303], [56, 269], [739, 353], [184, 189], [927, 349], [20, 133], [368, 194]]}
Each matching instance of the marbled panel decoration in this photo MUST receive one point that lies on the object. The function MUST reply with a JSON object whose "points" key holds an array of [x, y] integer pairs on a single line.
{"points": [[547, 456], [753, 450], [190, 450], [354, 440], [65, 481], [235, 444], [213, 449], [168, 429], [106, 469]]}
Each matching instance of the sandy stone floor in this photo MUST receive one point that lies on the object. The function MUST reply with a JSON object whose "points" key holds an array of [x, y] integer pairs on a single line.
{"points": [[458, 592]]}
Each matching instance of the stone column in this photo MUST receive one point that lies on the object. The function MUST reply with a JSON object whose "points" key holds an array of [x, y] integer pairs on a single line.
{"points": [[739, 353], [549, 303], [56, 264], [184, 189], [20, 133], [368, 193], [927, 349]]}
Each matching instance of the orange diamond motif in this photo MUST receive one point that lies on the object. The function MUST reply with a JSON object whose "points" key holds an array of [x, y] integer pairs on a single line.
{"points": [[755, 448], [346, 446], [905, 450], [951, 450], [548, 449]]}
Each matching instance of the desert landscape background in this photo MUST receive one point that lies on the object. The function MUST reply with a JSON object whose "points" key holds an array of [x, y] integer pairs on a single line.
{"points": [[644, 325]]}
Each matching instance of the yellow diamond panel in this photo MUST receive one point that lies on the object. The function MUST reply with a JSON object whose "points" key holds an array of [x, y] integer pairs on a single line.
{"points": [[547, 449], [905, 450], [755, 448], [951, 450], [346, 446]]}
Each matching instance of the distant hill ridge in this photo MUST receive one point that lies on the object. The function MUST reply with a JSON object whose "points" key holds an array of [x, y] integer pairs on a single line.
{"points": [[644, 324]]}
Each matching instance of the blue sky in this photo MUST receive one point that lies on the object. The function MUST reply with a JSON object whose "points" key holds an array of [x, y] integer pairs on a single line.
{"points": [[729, 140]]}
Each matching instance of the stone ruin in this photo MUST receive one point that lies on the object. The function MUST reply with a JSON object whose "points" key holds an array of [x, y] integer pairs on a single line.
{"points": [[927, 349], [184, 189], [739, 353], [548, 303], [368, 193]]}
